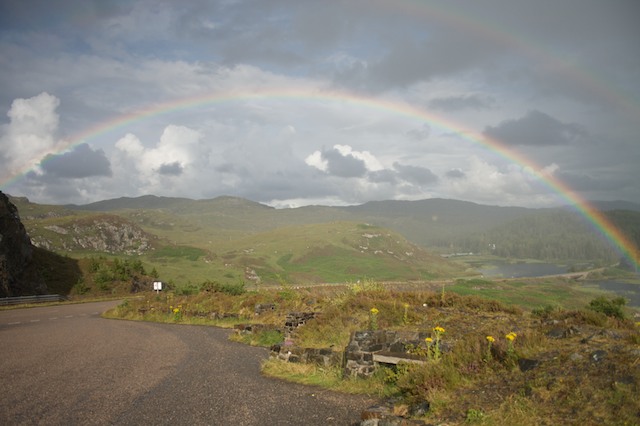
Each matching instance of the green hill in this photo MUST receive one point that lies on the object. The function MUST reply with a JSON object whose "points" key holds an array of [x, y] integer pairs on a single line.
{"points": [[232, 239], [444, 226], [335, 252]]}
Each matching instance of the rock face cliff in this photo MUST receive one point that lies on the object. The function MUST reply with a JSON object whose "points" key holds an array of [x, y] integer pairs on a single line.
{"points": [[18, 274], [103, 233]]}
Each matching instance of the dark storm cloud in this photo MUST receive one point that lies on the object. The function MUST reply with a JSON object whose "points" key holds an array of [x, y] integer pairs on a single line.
{"points": [[57, 189], [592, 182], [277, 33], [62, 14], [79, 163], [415, 174], [343, 165], [456, 103], [535, 129], [410, 62], [171, 169]]}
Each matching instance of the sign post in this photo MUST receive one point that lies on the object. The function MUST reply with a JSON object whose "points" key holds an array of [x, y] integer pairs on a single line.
{"points": [[157, 286]]}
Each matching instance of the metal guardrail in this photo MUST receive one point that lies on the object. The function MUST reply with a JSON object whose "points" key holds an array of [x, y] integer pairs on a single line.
{"points": [[21, 300]]}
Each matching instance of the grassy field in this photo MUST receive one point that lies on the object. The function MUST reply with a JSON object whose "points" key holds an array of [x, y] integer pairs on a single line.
{"points": [[528, 293], [309, 254]]}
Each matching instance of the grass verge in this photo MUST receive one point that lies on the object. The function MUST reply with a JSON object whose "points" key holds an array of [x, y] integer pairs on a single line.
{"points": [[486, 361]]}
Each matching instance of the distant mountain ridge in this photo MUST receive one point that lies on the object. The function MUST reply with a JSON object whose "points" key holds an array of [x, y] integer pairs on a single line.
{"points": [[155, 201], [441, 225], [158, 202], [616, 205]]}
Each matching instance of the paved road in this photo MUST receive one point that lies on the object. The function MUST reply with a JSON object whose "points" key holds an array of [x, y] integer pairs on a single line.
{"points": [[65, 365]]}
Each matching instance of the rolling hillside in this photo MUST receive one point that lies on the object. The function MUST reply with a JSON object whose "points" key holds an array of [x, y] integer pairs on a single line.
{"points": [[334, 252], [438, 224], [233, 239]]}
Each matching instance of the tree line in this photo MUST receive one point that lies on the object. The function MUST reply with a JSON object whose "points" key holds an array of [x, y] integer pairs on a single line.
{"points": [[549, 235]]}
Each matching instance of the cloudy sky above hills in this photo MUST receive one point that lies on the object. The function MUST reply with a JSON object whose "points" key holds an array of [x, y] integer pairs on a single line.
{"points": [[294, 102]]}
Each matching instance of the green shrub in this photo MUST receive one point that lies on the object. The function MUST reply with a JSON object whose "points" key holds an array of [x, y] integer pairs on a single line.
{"points": [[103, 275], [609, 307], [474, 416], [420, 380], [94, 264], [187, 290], [545, 312], [80, 287], [234, 289]]}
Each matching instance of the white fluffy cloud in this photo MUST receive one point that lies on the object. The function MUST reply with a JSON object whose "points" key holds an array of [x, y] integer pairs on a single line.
{"points": [[30, 134], [343, 160], [178, 150], [483, 182]]}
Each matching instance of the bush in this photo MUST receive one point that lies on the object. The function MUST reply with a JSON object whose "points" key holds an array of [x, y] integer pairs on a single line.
{"points": [[103, 275], [80, 287], [187, 290], [216, 287], [609, 307], [545, 312]]}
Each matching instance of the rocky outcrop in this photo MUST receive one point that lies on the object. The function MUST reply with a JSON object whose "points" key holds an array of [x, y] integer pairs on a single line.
{"points": [[18, 274], [103, 233]]}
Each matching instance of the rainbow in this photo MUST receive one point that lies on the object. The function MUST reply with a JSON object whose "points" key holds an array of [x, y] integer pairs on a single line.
{"points": [[600, 222]]}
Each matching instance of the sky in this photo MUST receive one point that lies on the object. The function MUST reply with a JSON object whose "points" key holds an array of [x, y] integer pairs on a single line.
{"points": [[334, 102]]}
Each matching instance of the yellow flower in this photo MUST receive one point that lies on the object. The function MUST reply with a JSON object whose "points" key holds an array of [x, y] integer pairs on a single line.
{"points": [[406, 305], [491, 339], [374, 311], [438, 329], [176, 310], [428, 340], [511, 336]]}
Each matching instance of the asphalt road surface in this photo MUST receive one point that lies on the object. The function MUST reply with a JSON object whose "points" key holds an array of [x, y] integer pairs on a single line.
{"points": [[65, 365]]}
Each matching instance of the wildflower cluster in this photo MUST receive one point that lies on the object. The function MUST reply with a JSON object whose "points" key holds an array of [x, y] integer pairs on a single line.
{"points": [[510, 338], [490, 341], [373, 318], [177, 312], [434, 343]]}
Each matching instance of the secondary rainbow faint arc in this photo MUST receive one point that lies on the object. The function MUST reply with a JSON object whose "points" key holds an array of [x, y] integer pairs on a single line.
{"points": [[623, 244], [497, 32]]}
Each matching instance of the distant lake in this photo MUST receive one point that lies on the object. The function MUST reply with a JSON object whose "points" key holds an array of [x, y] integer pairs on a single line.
{"points": [[521, 270]]}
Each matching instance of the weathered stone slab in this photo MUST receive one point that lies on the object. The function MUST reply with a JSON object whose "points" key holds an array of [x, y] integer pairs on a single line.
{"points": [[397, 357]]}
